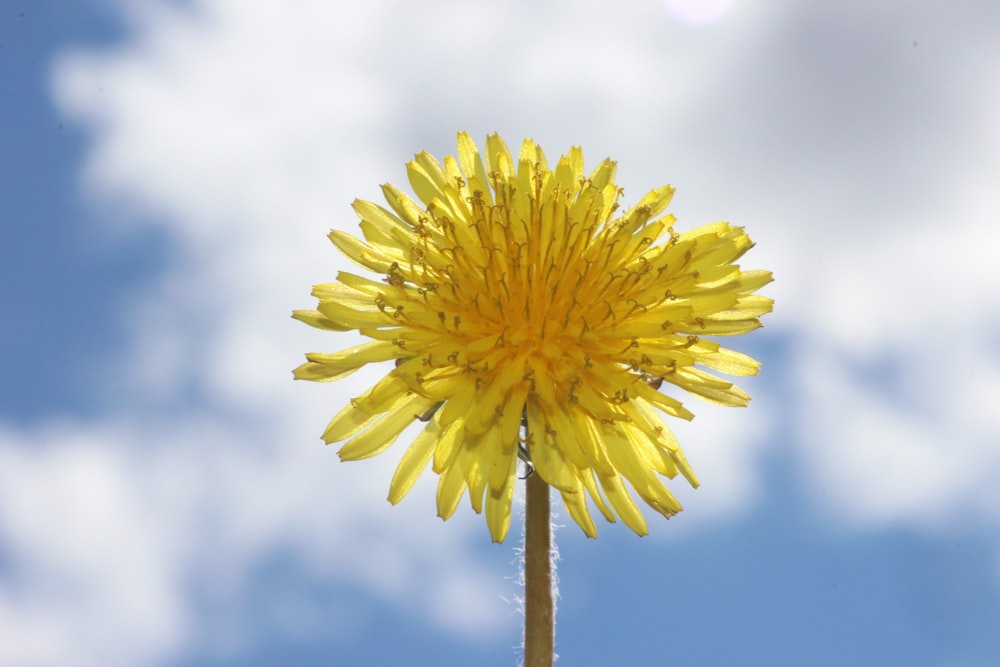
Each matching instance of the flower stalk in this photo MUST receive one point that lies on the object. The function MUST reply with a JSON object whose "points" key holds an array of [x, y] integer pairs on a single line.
{"points": [[539, 607]]}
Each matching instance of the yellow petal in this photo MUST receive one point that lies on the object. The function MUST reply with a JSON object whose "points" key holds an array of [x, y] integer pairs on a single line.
{"points": [[498, 156], [589, 481], [356, 318], [414, 461], [472, 166], [708, 327], [403, 206], [370, 257], [346, 423], [623, 504], [576, 505], [355, 357], [657, 200], [426, 177], [491, 454], [665, 403], [320, 372], [546, 455], [314, 318], [508, 427], [498, 503], [730, 362], [452, 483], [377, 437], [383, 395], [709, 387], [447, 446]]}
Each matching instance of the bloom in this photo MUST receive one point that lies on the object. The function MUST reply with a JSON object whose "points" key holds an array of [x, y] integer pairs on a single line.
{"points": [[528, 316]]}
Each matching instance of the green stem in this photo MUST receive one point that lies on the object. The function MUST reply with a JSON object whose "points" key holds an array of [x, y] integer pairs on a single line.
{"points": [[539, 621]]}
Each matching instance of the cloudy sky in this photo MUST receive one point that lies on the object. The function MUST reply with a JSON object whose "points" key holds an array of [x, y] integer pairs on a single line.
{"points": [[169, 170]]}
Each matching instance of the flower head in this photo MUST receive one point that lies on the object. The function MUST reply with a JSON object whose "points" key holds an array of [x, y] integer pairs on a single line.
{"points": [[529, 316]]}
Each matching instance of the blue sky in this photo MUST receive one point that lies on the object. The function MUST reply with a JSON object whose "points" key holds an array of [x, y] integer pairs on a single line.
{"points": [[169, 170]]}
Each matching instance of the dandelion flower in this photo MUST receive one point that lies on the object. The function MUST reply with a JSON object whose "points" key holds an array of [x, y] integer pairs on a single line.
{"points": [[529, 317]]}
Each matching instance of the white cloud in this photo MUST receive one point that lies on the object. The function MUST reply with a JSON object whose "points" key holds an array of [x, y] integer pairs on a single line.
{"points": [[96, 572], [896, 421], [698, 13], [245, 129], [902, 363], [110, 528]]}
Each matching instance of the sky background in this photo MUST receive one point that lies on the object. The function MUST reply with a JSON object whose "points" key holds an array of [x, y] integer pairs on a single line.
{"points": [[169, 170]]}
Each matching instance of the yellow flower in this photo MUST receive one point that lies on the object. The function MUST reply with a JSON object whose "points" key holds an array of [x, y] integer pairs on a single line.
{"points": [[514, 296]]}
